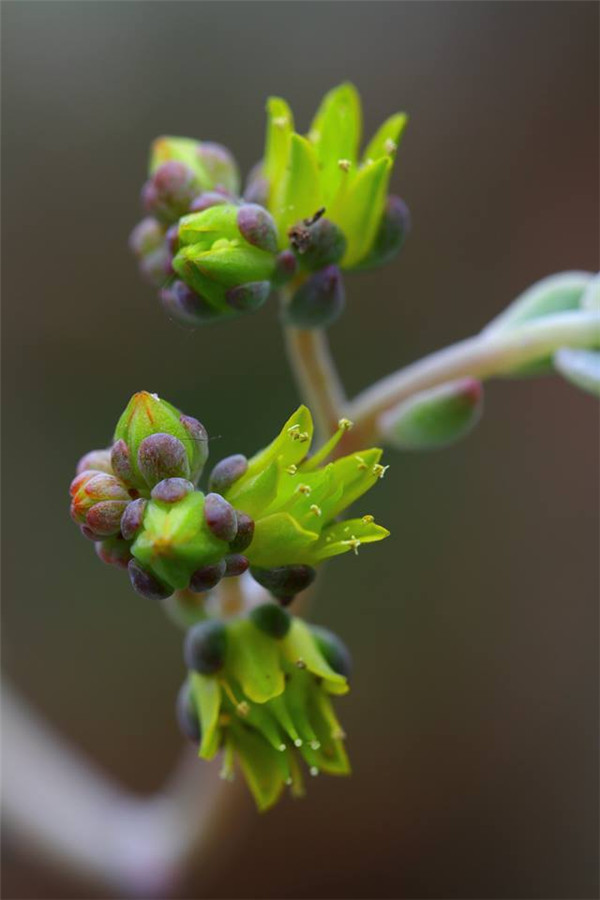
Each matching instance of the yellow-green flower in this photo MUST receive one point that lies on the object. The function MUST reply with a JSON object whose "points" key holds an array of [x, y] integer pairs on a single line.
{"points": [[325, 169], [259, 688]]}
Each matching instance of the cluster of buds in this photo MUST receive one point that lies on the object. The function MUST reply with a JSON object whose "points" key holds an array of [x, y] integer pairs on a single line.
{"points": [[259, 688], [311, 209], [276, 513]]}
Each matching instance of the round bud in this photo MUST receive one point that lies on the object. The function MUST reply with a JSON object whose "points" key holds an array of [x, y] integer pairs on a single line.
{"points": [[188, 307], [132, 518], [205, 646], [170, 191], [319, 301], [286, 266], [120, 461], [95, 461], [145, 584], [333, 649], [226, 472], [208, 199], [171, 490], [284, 582], [323, 245], [257, 186], [272, 619], [235, 564], [162, 456], [248, 297], [207, 577], [187, 717], [220, 165], [146, 236], [114, 551], [172, 238], [245, 533], [258, 227], [220, 517], [104, 518], [391, 234], [156, 267]]}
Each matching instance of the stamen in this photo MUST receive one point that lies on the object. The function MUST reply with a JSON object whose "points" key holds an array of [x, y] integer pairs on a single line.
{"points": [[281, 748], [327, 449], [300, 663], [243, 709], [390, 146], [316, 509], [291, 470], [315, 745], [354, 543], [368, 519], [298, 742], [379, 470], [344, 165], [280, 121], [314, 771], [304, 489]]}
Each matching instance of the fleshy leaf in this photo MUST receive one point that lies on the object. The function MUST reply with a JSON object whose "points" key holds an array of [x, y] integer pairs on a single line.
{"points": [[557, 293], [580, 367]]}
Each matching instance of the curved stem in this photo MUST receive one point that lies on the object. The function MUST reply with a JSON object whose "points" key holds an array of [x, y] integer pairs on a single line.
{"points": [[316, 376], [481, 356]]}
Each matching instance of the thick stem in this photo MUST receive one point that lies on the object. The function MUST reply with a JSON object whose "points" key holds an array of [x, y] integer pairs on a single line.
{"points": [[481, 356], [316, 376]]}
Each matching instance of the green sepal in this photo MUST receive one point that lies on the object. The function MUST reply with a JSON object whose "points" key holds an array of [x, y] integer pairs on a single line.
{"points": [[360, 207], [299, 194], [255, 494], [279, 540], [264, 768], [253, 660], [289, 447], [175, 540], [341, 537], [206, 227], [299, 647], [280, 126], [331, 756], [225, 265], [335, 134], [357, 473], [391, 130], [206, 694]]}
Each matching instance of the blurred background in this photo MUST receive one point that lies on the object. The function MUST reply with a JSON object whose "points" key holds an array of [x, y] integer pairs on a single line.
{"points": [[473, 722]]}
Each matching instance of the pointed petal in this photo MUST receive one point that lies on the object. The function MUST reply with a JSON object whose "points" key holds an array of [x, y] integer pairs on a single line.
{"points": [[386, 139]]}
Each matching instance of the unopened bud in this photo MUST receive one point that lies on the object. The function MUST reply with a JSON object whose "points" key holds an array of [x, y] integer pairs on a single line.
{"points": [[226, 472], [171, 490], [220, 165], [148, 235], [319, 244], [98, 502], [258, 227], [133, 518], [170, 191], [245, 533], [208, 199], [207, 577], [248, 297], [95, 461], [319, 301], [235, 564], [284, 582], [186, 306], [434, 418], [155, 267], [286, 266], [220, 517], [162, 456], [205, 646], [393, 231], [114, 551], [272, 619], [334, 650], [257, 186], [146, 584]]}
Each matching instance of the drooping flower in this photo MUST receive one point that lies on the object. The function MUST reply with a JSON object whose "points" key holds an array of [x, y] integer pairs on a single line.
{"points": [[259, 689], [277, 512]]}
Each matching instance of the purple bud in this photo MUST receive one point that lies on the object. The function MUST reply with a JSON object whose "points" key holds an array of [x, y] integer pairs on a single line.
{"points": [[169, 193], [284, 582], [220, 165], [319, 301], [95, 461], [236, 564], [172, 238], [206, 578], [393, 231], [199, 445], [208, 199], [258, 227], [318, 245], [104, 518], [248, 297], [162, 456], [226, 472], [171, 490], [133, 518], [146, 236], [245, 533], [121, 461], [145, 584], [189, 308], [220, 517], [114, 551], [205, 646], [156, 266], [286, 266], [88, 533]]}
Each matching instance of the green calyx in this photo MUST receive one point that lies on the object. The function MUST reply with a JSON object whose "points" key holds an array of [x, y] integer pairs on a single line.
{"points": [[325, 170], [295, 499], [269, 706]]}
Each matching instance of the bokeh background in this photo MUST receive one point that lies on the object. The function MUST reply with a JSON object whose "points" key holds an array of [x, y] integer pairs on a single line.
{"points": [[473, 721]]}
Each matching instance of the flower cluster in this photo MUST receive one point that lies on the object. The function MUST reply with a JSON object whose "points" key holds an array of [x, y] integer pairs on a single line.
{"points": [[276, 513], [259, 688], [311, 208]]}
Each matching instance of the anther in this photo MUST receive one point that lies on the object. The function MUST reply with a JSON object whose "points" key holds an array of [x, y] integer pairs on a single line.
{"points": [[304, 489], [314, 771], [345, 424], [368, 519], [379, 470], [316, 509], [390, 146], [344, 164], [300, 663], [291, 470]]}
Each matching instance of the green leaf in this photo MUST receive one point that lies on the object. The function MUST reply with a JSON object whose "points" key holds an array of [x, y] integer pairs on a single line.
{"points": [[389, 133], [253, 660], [580, 367]]}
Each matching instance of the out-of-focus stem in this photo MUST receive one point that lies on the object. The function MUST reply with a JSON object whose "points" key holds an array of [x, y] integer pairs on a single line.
{"points": [[482, 356], [316, 376]]}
